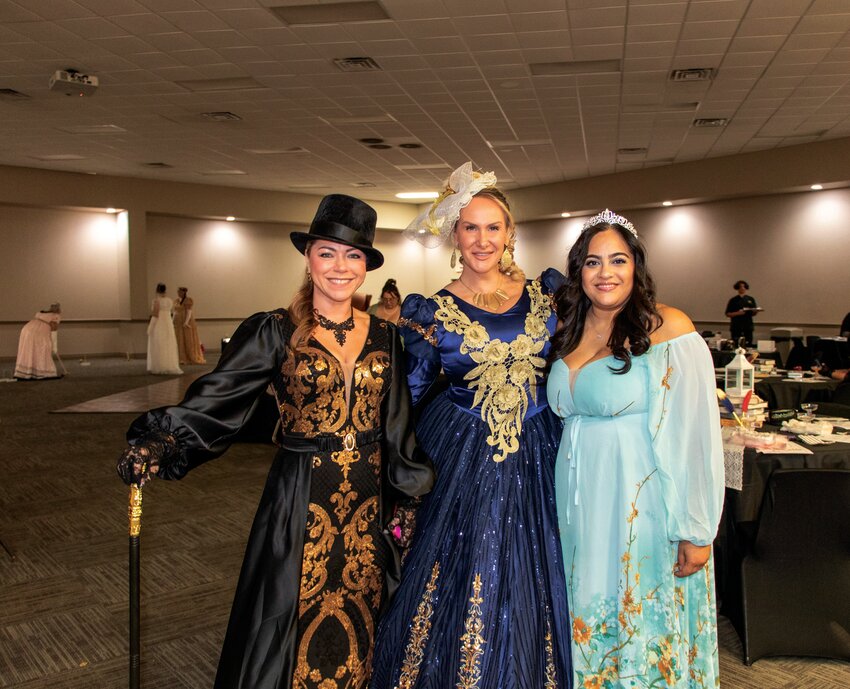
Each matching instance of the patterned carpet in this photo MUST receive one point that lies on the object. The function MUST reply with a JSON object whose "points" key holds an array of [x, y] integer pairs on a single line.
{"points": [[63, 560]]}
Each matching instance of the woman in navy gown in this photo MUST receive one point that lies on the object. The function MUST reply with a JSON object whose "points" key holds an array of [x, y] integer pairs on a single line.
{"points": [[482, 601]]}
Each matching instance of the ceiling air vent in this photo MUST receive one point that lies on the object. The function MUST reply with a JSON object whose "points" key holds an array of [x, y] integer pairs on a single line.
{"points": [[696, 74], [631, 152], [711, 122], [363, 185], [159, 166], [277, 151], [357, 64], [11, 94], [222, 116]]}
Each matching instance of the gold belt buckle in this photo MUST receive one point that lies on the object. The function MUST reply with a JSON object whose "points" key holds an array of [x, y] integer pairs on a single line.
{"points": [[348, 441]]}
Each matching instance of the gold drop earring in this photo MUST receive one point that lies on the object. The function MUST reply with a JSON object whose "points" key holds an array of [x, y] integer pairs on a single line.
{"points": [[506, 260], [453, 261]]}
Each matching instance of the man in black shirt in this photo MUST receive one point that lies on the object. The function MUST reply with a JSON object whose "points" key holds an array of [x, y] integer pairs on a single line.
{"points": [[740, 311]]}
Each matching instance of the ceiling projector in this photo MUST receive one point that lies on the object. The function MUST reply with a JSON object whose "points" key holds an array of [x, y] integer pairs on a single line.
{"points": [[72, 83]]}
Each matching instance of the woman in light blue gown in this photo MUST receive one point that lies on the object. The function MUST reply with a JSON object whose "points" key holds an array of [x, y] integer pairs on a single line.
{"points": [[639, 474]]}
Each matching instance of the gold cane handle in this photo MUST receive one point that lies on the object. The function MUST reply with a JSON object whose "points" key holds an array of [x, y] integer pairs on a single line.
{"points": [[134, 510]]}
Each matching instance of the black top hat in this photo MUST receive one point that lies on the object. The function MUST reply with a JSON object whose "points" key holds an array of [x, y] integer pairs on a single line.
{"points": [[346, 220]]}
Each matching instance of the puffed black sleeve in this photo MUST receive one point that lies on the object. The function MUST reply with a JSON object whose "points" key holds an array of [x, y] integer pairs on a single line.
{"points": [[217, 405], [409, 471]]}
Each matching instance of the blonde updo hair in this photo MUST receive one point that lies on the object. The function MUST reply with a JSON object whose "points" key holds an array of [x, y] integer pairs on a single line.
{"points": [[513, 271]]}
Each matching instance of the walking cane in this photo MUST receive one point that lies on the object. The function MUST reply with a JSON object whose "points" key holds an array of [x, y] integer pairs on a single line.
{"points": [[135, 514]]}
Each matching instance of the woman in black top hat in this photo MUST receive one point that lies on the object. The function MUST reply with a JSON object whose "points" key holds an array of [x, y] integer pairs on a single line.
{"points": [[320, 562]]}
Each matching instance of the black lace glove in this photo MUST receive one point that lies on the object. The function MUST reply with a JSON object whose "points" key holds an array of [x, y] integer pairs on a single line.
{"points": [[147, 457]]}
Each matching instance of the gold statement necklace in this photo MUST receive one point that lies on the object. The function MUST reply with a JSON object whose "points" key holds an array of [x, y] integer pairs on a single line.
{"points": [[487, 300]]}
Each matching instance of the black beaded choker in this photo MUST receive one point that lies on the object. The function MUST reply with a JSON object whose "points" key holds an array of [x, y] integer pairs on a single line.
{"points": [[338, 329]]}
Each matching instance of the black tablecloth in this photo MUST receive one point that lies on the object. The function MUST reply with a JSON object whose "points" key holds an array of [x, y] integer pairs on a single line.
{"points": [[741, 509], [787, 394], [744, 505]]}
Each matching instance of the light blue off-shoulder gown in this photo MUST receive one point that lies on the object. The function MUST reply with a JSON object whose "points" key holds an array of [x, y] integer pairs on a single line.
{"points": [[639, 468]]}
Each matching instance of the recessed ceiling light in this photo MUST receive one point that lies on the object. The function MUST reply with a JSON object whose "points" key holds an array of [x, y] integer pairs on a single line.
{"points": [[417, 195], [565, 215], [230, 218], [111, 210], [817, 187], [666, 203]]}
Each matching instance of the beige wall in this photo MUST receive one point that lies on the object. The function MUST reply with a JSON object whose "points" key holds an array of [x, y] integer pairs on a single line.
{"points": [[793, 250]]}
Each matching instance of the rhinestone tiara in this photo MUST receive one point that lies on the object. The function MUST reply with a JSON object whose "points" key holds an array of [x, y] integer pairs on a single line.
{"points": [[610, 218]]}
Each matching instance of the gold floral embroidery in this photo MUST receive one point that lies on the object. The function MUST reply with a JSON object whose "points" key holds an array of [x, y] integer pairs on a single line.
{"points": [[420, 628], [551, 678], [371, 375], [317, 546], [665, 384], [506, 371], [339, 601], [310, 402], [427, 334], [472, 642]]}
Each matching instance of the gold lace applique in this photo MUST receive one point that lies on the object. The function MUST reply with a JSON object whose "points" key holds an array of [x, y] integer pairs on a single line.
{"points": [[506, 371], [551, 678], [311, 402], [317, 547], [428, 334], [371, 376], [420, 628], [472, 642]]}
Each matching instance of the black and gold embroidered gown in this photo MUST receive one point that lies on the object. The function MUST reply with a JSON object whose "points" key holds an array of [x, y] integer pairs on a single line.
{"points": [[319, 562]]}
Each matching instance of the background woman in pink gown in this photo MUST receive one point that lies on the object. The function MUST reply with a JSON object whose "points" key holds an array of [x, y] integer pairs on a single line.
{"points": [[35, 346]]}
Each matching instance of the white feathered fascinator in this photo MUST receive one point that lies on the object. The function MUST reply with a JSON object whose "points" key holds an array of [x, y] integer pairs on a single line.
{"points": [[433, 225]]}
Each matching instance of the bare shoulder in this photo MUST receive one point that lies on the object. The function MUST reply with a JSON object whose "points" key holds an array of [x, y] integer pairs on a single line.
{"points": [[675, 323], [362, 318]]}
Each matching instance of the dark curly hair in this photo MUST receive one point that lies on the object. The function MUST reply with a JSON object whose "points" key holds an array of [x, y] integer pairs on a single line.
{"points": [[391, 287], [635, 321]]}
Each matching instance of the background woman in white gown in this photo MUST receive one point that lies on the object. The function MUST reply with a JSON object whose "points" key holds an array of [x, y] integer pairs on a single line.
{"points": [[162, 343]]}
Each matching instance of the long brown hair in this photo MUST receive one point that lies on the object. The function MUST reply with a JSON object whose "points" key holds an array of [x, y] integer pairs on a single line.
{"points": [[514, 272], [301, 311], [635, 321]]}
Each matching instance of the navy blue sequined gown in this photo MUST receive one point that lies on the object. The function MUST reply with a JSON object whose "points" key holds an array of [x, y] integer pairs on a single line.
{"points": [[482, 602]]}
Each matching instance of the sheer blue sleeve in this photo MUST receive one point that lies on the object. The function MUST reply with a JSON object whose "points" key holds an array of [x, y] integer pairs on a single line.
{"points": [[418, 330], [685, 429]]}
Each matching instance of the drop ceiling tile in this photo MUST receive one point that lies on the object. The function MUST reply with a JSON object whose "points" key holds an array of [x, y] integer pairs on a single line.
{"points": [[248, 18], [597, 36], [539, 21], [750, 44], [647, 50], [661, 13], [478, 44], [827, 7], [777, 8], [173, 41], [755, 59], [824, 24], [717, 10], [653, 33], [483, 24], [544, 39], [775, 26], [708, 30], [613, 51], [499, 57]]}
